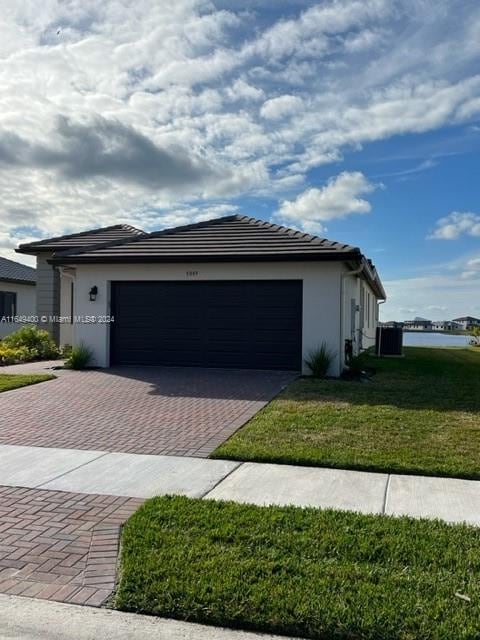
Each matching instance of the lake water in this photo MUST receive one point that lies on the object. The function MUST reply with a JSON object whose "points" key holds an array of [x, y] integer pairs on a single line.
{"points": [[421, 339]]}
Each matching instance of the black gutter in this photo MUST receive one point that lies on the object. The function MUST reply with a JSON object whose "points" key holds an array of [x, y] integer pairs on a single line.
{"points": [[299, 257], [18, 281]]}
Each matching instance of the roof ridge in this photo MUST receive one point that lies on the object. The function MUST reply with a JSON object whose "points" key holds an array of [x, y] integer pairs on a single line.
{"points": [[100, 245], [129, 227], [193, 225], [89, 232], [141, 236], [291, 232]]}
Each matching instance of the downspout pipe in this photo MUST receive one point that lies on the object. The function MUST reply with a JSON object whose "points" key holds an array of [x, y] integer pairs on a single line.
{"points": [[64, 272], [347, 274]]}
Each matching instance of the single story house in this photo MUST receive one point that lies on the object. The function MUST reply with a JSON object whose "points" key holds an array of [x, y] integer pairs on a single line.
{"points": [[230, 292], [418, 324], [17, 294], [445, 325], [467, 322], [391, 324]]}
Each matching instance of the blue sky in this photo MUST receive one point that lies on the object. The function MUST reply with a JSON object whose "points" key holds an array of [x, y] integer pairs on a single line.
{"points": [[357, 120]]}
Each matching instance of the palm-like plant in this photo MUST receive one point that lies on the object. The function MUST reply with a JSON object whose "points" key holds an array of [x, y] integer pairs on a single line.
{"points": [[475, 333], [320, 359]]}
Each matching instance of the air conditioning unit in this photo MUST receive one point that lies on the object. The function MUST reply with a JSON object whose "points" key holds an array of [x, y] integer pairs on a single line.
{"points": [[389, 341]]}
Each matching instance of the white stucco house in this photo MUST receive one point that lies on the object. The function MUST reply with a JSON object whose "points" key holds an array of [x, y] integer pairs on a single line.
{"points": [[231, 292], [17, 294], [445, 325], [467, 322], [418, 324]]}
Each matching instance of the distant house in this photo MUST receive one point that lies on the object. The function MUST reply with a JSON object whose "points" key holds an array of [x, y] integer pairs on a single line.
{"points": [[467, 322], [17, 294], [446, 325], [391, 324], [418, 324]]}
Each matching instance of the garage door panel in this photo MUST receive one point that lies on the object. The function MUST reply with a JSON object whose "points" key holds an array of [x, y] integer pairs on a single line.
{"points": [[285, 327], [239, 338], [158, 330], [179, 323], [237, 324]]}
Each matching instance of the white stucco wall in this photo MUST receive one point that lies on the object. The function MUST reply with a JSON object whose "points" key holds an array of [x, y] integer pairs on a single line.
{"points": [[370, 317], [26, 304], [360, 316], [327, 304], [66, 328], [321, 296], [48, 294]]}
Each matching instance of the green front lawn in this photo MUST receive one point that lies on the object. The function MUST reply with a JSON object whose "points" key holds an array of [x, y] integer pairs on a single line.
{"points": [[306, 572], [419, 414], [9, 381]]}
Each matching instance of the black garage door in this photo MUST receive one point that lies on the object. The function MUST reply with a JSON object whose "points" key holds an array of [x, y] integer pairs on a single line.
{"points": [[237, 324]]}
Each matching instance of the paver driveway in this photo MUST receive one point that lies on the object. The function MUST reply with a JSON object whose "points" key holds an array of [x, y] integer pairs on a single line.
{"points": [[152, 410]]}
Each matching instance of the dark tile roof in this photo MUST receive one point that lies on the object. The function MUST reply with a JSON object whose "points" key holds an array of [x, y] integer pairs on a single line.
{"points": [[11, 271], [233, 238], [90, 238], [230, 239]]}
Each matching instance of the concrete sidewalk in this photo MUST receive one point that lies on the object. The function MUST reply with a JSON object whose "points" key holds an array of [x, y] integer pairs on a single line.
{"points": [[29, 619], [143, 476]]}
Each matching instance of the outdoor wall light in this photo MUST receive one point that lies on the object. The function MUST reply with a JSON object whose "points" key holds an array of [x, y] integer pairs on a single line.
{"points": [[93, 293]]}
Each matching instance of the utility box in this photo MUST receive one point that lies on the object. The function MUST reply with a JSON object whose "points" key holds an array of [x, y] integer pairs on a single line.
{"points": [[389, 341]]}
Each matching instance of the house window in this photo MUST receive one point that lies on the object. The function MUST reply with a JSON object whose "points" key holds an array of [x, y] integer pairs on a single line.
{"points": [[8, 303]]}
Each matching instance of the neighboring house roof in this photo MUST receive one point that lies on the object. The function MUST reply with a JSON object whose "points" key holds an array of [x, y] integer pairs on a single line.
{"points": [[11, 271], [228, 239], [466, 319], [93, 237]]}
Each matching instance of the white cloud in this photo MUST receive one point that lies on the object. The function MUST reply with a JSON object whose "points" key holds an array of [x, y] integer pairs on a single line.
{"points": [[241, 89], [339, 198], [253, 103], [421, 296], [472, 269], [436, 307], [189, 214], [474, 263], [281, 107], [317, 30], [456, 224]]}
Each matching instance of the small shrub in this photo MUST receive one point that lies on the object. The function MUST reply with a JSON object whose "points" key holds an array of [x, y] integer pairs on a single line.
{"points": [[319, 360], [79, 358], [14, 355], [38, 342], [65, 351]]}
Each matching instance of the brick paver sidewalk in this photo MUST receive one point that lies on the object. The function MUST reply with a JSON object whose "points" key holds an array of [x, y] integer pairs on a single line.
{"points": [[60, 546]]}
